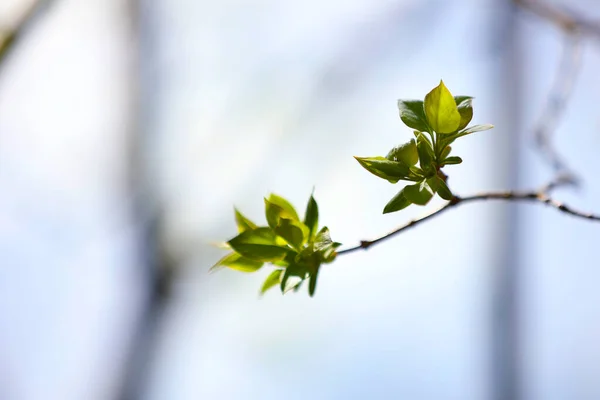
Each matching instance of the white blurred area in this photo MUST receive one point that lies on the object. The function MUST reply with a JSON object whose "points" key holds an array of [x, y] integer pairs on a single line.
{"points": [[239, 99], [67, 278]]}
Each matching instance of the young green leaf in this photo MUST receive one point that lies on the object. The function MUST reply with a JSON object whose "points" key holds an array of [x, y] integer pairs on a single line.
{"points": [[290, 211], [324, 246], [452, 160], [419, 193], [242, 222], [465, 109], [294, 270], [426, 156], [272, 280], [439, 186], [382, 167], [405, 153], [277, 207], [237, 262], [412, 114], [294, 232], [311, 217], [445, 152], [475, 128], [312, 282], [441, 110], [259, 244], [397, 203]]}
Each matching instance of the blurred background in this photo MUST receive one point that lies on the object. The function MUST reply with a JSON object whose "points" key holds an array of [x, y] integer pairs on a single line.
{"points": [[129, 130]]}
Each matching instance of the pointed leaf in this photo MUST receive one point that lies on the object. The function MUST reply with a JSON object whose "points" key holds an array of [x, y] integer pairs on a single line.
{"points": [[237, 262], [475, 128], [412, 114], [382, 167], [440, 187], [465, 109], [452, 160], [294, 270], [290, 211], [445, 152], [397, 203], [312, 282], [272, 280], [441, 110], [418, 194], [276, 208], [242, 222], [426, 156], [311, 217], [405, 153], [259, 244], [324, 247], [294, 232], [323, 239]]}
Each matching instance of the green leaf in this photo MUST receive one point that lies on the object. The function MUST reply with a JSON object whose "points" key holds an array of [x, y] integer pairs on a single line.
{"points": [[397, 203], [465, 109], [382, 167], [272, 280], [294, 232], [242, 222], [426, 156], [312, 282], [311, 217], [445, 152], [452, 160], [324, 246], [412, 114], [441, 110], [259, 244], [322, 239], [294, 270], [475, 128], [277, 207], [439, 186], [419, 193], [237, 262], [290, 211], [405, 153]]}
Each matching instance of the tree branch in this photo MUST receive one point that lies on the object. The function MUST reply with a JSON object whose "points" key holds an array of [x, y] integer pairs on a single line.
{"points": [[540, 196]]}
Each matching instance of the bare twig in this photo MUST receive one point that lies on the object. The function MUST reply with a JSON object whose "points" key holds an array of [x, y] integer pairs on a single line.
{"points": [[539, 196], [563, 18], [556, 103]]}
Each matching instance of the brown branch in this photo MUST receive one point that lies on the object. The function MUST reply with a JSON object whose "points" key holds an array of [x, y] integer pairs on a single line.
{"points": [[540, 196]]}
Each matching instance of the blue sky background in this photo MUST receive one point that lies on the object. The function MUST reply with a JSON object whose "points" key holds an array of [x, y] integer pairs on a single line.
{"points": [[241, 99]]}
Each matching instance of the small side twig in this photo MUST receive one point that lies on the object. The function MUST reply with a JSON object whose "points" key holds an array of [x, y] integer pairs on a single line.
{"points": [[539, 196], [556, 104], [563, 18]]}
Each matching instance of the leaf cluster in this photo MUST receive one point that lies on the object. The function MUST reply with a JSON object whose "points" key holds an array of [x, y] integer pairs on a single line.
{"points": [[437, 122], [295, 248]]}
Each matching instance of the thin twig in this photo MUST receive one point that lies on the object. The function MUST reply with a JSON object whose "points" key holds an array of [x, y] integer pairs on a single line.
{"points": [[556, 103], [539, 196], [563, 18]]}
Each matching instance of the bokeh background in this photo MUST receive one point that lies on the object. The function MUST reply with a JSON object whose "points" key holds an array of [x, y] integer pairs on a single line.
{"points": [[129, 129]]}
